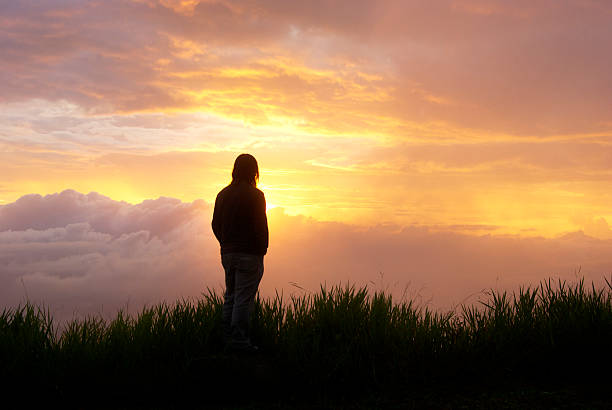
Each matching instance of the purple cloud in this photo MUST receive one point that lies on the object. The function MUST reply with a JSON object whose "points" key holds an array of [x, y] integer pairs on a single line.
{"points": [[528, 68]]}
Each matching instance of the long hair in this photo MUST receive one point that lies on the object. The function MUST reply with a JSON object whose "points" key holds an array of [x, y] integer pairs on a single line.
{"points": [[245, 169]]}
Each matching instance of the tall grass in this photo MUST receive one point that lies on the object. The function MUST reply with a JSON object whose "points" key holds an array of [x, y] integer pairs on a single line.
{"points": [[336, 341]]}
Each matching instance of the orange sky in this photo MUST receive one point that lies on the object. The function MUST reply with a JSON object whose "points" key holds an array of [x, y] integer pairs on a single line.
{"points": [[470, 116]]}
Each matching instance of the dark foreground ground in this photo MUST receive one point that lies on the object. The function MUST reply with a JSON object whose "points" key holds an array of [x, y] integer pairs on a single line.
{"points": [[595, 395], [523, 398], [515, 395], [228, 381], [560, 391], [520, 399], [547, 347]]}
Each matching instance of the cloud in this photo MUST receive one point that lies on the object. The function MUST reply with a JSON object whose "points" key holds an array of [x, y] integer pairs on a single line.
{"points": [[440, 266], [88, 254], [398, 111], [400, 68]]}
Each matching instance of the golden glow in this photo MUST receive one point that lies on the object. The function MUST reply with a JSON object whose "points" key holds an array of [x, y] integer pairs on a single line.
{"points": [[372, 121], [487, 197]]}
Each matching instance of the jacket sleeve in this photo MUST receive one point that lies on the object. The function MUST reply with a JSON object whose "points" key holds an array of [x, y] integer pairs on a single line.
{"points": [[217, 218], [261, 225]]}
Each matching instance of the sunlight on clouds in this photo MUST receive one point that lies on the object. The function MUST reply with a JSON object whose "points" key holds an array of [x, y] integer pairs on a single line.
{"points": [[283, 91], [243, 73], [270, 206], [449, 187], [184, 48], [365, 117], [331, 166], [185, 7]]}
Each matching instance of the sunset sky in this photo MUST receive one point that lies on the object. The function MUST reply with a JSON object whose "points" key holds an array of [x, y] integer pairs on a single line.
{"points": [[469, 118]]}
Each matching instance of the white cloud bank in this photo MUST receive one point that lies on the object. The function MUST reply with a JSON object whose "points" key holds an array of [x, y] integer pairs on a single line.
{"points": [[87, 253], [84, 254]]}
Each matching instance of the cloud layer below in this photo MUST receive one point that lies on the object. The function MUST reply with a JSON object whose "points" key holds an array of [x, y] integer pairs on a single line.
{"points": [[88, 254]]}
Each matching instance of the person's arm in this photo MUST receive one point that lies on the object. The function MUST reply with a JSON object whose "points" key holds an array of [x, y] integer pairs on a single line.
{"points": [[216, 221], [261, 224]]}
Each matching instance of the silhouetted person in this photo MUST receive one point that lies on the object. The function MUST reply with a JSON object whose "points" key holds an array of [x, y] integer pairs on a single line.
{"points": [[240, 224]]}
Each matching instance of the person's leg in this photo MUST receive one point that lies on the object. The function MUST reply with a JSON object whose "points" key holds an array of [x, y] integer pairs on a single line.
{"points": [[229, 265], [249, 272]]}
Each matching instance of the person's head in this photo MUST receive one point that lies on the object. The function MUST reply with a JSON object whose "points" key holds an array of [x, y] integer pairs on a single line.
{"points": [[245, 169]]}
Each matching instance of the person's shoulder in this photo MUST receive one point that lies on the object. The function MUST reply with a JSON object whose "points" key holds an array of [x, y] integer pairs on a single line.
{"points": [[224, 191], [255, 193], [258, 192]]}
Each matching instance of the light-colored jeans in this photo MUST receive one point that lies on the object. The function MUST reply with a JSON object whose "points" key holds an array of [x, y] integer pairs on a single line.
{"points": [[243, 272]]}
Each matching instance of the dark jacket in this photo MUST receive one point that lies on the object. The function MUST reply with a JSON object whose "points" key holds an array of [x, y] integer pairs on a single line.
{"points": [[239, 220]]}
